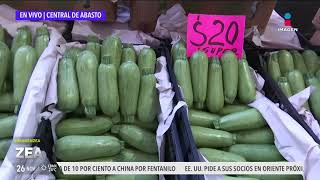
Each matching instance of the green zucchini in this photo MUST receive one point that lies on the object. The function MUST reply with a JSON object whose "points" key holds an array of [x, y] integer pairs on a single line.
{"points": [[25, 60], [238, 178], [128, 54], [284, 86], [148, 102], [22, 37], [68, 91], [95, 48], [5, 58], [285, 61], [247, 87], [92, 38], [314, 99], [4, 147], [311, 60], [2, 34], [41, 43], [87, 67], [150, 126], [232, 108], [318, 74], [257, 152], [179, 51], [79, 147], [112, 46], [147, 61], [7, 125], [2, 115], [182, 72], [137, 137], [129, 82], [212, 138], [202, 118], [296, 81], [214, 155], [230, 76], [297, 84], [199, 78], [128, 155], [248, 119], [6, 102], [255, 136], [215, 97], [43, 30], [276, 177], [274, 67], [83, 126], [108, 87], [299, 62], [73, 53], [132, 177]]}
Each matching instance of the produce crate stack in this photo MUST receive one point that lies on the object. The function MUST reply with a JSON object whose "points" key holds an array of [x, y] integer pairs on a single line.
{"points": [[271, 87], [16, 67], [111, 102], [224, 127]]}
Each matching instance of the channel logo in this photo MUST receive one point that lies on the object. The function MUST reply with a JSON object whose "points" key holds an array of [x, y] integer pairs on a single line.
{"points": [[287, 24]]}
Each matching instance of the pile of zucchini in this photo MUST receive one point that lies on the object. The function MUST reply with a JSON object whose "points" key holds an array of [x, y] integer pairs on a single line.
{"points": [[294, 72], [16, 66], [224, 128], [110, 97]]}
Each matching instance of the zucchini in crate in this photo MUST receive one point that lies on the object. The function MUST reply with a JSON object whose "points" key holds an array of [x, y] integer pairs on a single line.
{"points": [[255, 136], [87, 67], [79, 147], [232, 108], [199, 78], [6, 102], [25, 60], [246, 86], [147, 61], [7, 125], [94, 46], [314, 99], [128, 54], [311, 60], [299, 62], [212, 138], [229, 64], [274, 67], [215, 96], [202, 118], [182, 71], [4, 147], [72, 53], [285, 62], [318, 74], [42, 40], [257, 152], [108, 87], [84, 126], [284, 86], [297, 84], [178, 51], [148, 102], [248, 119], [112, 46], [5, 58], [129, 82], [214, 155], [2, 34], [92, 38], [137, 137], [68, 91]]}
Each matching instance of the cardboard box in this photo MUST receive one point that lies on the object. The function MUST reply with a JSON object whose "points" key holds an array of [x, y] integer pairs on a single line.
{"points": [[110, 6], [144, 13]]}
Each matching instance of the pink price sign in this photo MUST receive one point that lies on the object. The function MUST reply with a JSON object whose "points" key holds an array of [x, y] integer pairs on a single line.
{"points": [[215, 34]]}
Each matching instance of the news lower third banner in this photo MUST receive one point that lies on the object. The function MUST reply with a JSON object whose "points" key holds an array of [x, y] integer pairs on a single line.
{"points": [[61, 15], [225, 168]]}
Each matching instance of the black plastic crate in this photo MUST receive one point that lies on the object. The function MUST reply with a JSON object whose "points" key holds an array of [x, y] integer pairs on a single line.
{"points": [[188, 146], [273, 91]]}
